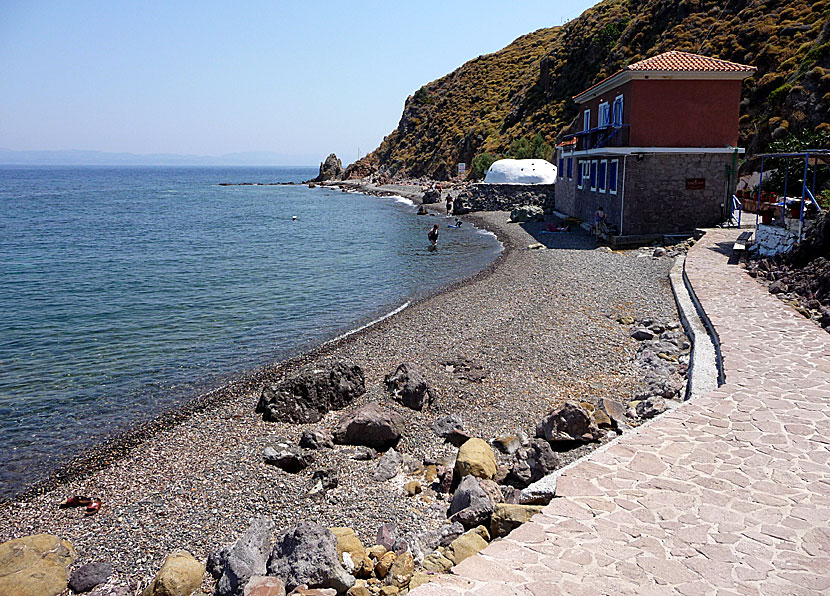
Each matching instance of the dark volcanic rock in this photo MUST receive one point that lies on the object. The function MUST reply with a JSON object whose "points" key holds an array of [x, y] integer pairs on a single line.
{"points": [[451, 429], [471, 505], [331, 169], [408, 383], [287, 457], [86, 577], [570, 422], [532, 462], [324, 480], [370, 425], [388, 466], [313, 438], [431, 195], [307, 396], [307, 554], [245, 558]]}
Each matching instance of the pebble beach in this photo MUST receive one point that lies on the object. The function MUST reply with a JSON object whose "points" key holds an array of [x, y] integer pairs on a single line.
{"points": [[538, 326]]}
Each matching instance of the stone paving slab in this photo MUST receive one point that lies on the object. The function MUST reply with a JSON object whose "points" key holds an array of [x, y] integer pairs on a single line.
{"points": [[727, 494]]}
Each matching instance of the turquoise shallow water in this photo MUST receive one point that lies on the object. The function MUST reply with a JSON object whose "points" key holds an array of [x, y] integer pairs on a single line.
{"points": [[126, 291]]}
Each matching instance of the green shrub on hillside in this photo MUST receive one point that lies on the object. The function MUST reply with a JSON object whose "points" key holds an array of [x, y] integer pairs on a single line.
{"points": [[482, 163], [498, 103], [527, 148]]}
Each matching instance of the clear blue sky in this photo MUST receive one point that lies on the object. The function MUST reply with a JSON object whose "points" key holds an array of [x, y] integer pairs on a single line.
{"points": [[298, 78]]}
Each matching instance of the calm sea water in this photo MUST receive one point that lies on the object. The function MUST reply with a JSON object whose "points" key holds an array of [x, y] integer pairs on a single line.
{"points": [[126, 291]]}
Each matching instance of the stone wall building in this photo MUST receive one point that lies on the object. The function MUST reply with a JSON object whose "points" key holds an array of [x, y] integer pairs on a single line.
{"points": [[656, 147]]}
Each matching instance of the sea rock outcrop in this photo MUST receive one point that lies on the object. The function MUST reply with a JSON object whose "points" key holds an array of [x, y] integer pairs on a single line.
{"points": [[307, 396], [330, 169]]}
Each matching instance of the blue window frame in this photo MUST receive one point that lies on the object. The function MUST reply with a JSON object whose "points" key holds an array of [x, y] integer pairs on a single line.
{"points": [[603, 166], [579, 173], [561, 171], [570, 168], [594, 175], [612, 176], [618, 110]]}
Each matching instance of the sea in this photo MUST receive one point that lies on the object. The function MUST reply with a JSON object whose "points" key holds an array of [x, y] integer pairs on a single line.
{"points": [[128, 291]]}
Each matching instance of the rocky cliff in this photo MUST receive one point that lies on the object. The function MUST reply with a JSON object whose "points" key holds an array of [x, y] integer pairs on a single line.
{"points": [[526, 88]]}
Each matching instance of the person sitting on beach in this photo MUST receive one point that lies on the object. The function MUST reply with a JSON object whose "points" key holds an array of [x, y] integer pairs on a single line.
{"points": [[433, 235], [600, 222]]}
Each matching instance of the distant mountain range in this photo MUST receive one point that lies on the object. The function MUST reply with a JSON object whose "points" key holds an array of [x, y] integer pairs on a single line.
{"points": [[102, 158]]}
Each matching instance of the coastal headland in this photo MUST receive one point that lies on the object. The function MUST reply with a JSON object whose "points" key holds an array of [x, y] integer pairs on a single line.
{"points": [[538, 327]]}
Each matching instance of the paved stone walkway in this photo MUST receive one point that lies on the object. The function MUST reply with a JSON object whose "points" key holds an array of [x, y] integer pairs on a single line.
{"points": [[727, 494]]}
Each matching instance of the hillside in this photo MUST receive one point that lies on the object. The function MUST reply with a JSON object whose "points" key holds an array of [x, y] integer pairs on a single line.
{"points": [[526, 88]]}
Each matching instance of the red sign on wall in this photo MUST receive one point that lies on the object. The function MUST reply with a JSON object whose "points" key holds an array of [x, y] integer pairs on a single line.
{"points": [[695, 183]]}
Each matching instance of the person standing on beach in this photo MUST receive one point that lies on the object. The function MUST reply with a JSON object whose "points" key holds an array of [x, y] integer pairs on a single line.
{"points": [[433, 235], [449, 204]]}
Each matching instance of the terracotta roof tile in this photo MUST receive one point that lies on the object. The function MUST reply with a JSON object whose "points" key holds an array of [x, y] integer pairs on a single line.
{"points": [[675, 61]]}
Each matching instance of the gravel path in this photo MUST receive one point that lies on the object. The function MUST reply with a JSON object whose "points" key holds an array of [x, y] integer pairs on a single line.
{"points": [[540, 322]]}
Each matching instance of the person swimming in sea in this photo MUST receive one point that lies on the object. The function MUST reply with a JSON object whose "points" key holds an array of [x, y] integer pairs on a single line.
{"points": [[433, 236]]}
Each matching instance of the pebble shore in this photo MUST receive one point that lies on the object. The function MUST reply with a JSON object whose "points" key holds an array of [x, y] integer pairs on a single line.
{"points": [[541, 324]]}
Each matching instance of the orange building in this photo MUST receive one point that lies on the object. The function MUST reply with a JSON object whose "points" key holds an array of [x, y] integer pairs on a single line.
{"points": [[656, 145]]}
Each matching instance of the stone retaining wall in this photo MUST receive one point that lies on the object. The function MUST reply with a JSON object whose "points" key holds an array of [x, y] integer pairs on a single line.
{"points": [[505, 197], [771, 240]]}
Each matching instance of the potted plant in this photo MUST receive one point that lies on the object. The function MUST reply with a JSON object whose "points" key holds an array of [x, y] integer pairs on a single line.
{"points": [[795, 209], [766, 216]]}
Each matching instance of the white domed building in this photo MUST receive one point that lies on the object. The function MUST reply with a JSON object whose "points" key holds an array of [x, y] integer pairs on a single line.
{"points": [[521, 171]]}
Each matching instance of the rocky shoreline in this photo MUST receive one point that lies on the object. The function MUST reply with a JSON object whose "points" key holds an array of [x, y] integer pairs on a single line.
{"points": [[537, 330]]}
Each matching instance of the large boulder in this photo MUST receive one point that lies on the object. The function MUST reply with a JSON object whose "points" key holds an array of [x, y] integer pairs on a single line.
{"points": [[468, 544], [313, 438], [35, 565], [86, 577], [245, 558], [569, 422], [180, 575], [388, 466], [331, 169], [260, 585], [441, 536], [451, 429], [531, 462], [476, 457], [307, 396], [287, 457], [401, 571], [507, 518], [615, 412], [307, 554], [349, 544], [408, 384], [431, 196], [371, 425], [471, 505], [527, 213]]}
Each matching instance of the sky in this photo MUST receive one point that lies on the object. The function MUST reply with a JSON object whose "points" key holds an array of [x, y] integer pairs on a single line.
{"points": [[301, 79]]}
